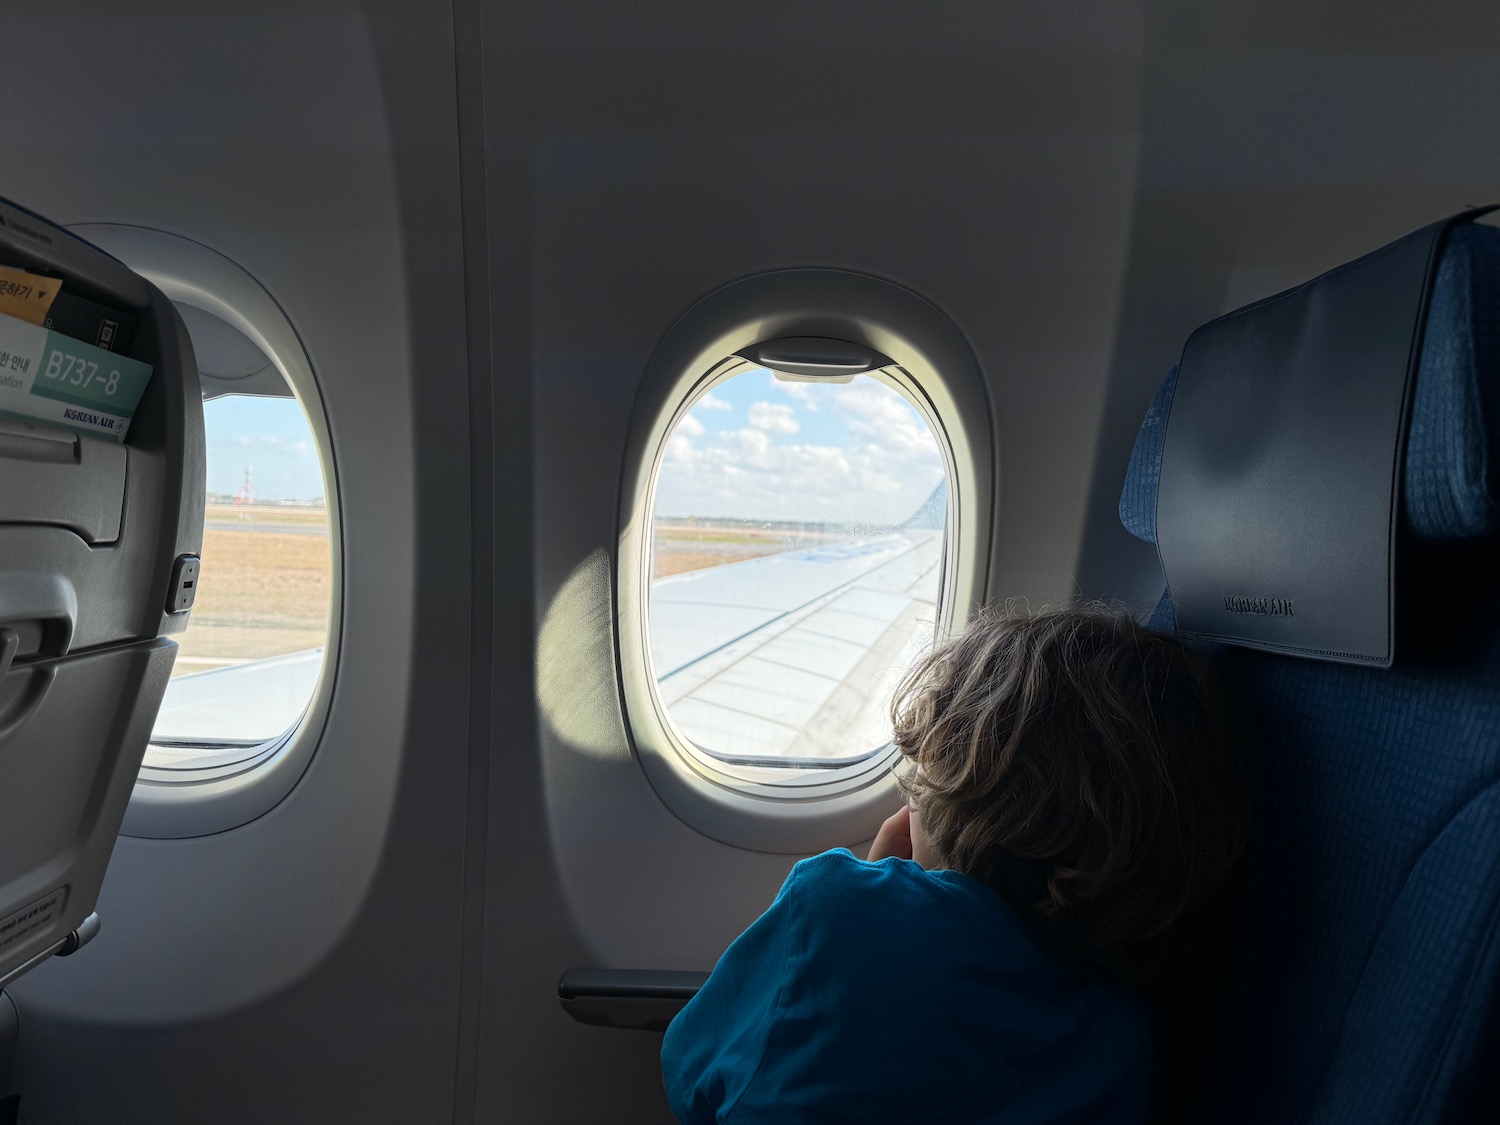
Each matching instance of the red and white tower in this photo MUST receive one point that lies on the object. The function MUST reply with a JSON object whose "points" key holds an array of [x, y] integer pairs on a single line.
{"points": [[246, 494]]}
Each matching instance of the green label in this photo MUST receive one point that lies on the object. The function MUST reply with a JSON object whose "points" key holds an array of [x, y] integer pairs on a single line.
{"points": [[82, 375]]}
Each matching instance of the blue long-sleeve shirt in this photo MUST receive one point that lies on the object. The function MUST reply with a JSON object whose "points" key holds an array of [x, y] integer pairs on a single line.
{"points": [[873, 992]]}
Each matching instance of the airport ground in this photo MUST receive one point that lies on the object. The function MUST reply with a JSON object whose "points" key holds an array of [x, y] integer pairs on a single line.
{"points": [[266, 587], [694, 544]]}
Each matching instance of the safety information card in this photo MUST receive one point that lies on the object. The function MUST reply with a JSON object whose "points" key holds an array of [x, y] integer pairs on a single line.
{"points": [[60, 381]]}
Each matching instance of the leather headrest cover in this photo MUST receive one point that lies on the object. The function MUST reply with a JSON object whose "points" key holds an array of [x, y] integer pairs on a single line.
{"points": [[1273, 451], [1451, 482]]}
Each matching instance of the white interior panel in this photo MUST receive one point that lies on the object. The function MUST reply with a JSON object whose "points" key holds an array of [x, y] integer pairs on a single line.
{"points": [[300, 967]]}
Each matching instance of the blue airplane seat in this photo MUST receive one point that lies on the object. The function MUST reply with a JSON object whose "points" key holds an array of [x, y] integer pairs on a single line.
{"points": [[1363, 964]]}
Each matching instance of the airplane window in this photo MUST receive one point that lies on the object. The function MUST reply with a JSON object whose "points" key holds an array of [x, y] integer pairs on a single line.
{"points": [[249, 660], [795, 566]]}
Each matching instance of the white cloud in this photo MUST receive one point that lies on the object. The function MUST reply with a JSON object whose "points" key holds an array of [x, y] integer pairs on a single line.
{"points": [[887, 421], [690, 427], [751, 444], [712, 402], [868, 459], [802, 392], [744, 475], [775, 417], [272, 444]]}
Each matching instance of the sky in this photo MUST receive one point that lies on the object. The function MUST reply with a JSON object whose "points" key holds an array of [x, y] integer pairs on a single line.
{"points": [[757, 447], [271, 437], [754, 448]]}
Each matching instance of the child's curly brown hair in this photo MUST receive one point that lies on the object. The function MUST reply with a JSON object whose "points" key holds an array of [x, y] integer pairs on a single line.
{"points": [[1080, 756]]}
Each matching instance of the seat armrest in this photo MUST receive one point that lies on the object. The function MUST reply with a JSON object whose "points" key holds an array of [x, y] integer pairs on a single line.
{"points": [[631, 999]]}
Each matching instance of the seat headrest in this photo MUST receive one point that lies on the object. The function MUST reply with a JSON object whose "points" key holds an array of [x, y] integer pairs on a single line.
{"points": [[1276, 384], [1451, 483]]}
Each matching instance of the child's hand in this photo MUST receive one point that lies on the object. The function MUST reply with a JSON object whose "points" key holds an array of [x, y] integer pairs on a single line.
{"points": [[894, 837]]}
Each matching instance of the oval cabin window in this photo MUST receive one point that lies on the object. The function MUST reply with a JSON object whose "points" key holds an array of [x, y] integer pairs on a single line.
{"points": [[250, 658], [796, 562]]}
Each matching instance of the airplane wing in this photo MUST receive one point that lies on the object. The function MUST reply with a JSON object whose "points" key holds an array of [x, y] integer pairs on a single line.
{"points": [[780, 657], [267, 699]]}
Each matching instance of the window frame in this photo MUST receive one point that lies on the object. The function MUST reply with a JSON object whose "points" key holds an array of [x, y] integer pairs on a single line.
{"points": [[934, 368], [227, 790]]}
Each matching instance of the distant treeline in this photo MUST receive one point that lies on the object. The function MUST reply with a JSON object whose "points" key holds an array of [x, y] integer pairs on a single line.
{"points": [[812, 527], [230, 498]]}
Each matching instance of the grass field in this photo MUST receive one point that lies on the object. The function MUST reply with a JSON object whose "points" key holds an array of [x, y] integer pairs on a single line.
{"points": [[254, 514], [264, 591], [682, 545]]}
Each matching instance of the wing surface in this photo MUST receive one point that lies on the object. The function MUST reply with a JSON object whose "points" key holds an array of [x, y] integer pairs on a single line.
{"points": [[794, 655]]}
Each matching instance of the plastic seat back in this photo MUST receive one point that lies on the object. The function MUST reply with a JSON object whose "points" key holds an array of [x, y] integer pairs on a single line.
{"points": [[101, 521]]}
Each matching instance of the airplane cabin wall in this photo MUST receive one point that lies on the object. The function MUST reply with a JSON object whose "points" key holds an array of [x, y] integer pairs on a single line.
{"points": [[304, 966], [482, 218]]}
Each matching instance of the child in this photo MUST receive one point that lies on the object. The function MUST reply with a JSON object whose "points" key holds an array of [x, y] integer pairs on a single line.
{"points": [[1071, 794]]}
